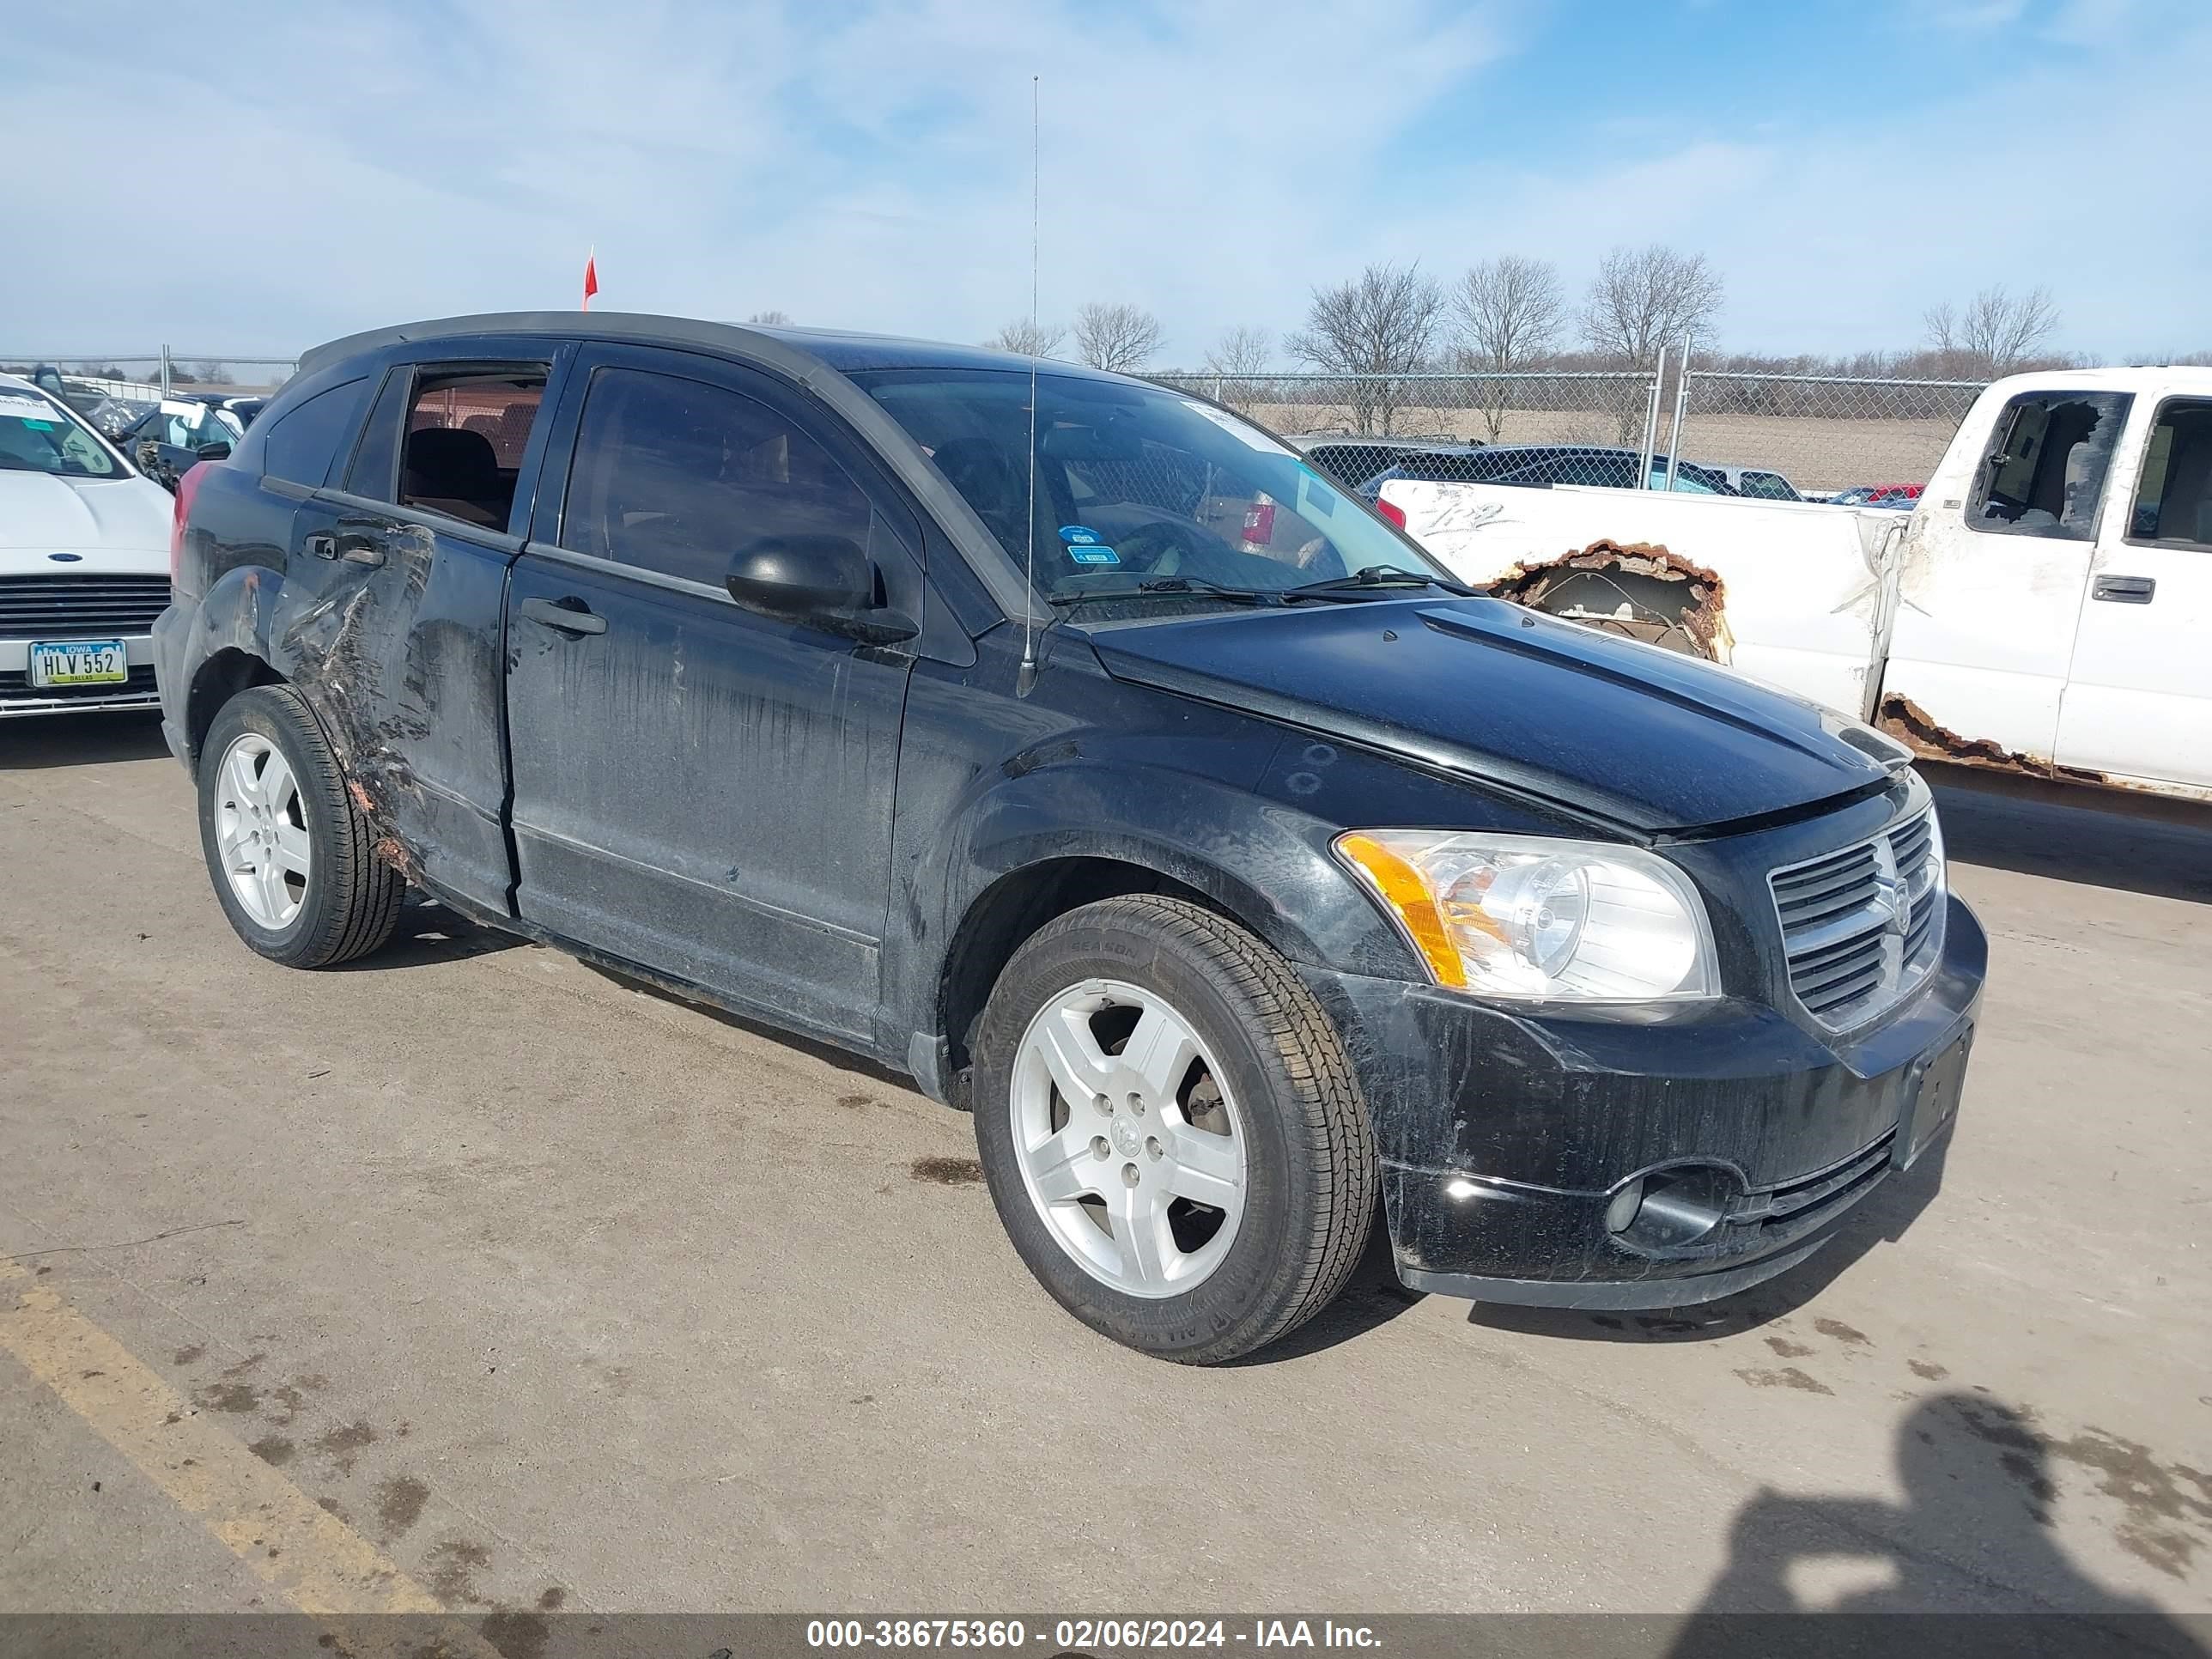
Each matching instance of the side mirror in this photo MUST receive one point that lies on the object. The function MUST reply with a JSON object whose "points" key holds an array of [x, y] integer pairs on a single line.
{"points": [[826, 582], [215, 451]]}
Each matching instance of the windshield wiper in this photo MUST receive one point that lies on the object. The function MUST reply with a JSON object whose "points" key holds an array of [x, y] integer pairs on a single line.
{"points": [[1172, 585], [1371, 579]]}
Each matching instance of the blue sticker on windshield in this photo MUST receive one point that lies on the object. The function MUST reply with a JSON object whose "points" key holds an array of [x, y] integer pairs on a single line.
{"points": [[39, 426], [1078, 535], [1094, 555]]}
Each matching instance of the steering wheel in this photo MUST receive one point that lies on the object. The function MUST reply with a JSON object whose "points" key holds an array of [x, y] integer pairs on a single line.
{"points": [[1167, 541]]}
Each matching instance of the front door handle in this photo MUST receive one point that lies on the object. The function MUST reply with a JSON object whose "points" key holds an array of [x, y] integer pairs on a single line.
{"points": [[569, 616], [2123, 590]]}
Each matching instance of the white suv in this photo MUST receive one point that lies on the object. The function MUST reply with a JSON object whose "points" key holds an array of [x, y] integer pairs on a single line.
{"points": [[84, 562]]}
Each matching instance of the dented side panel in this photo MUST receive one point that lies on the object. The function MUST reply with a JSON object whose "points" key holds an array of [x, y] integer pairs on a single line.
{"points": [[395, 642]]}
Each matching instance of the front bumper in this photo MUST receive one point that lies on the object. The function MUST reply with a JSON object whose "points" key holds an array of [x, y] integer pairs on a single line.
{"points": [[172, 674], [18, 696], [1506, 1134]]}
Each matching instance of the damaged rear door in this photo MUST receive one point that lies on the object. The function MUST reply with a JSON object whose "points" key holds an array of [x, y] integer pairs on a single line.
{"points": [[399, 648], [698, 788]]}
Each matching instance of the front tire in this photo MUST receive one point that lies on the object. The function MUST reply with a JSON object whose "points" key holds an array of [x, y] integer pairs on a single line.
{"points": [[288, 850], [1170, 1129]]}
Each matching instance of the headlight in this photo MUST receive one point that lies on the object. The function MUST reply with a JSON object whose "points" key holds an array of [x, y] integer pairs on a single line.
{"points": [[1527, 916]]}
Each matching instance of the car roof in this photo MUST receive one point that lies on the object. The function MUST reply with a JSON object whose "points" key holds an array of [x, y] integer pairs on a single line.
{"points": [[843, 350]]}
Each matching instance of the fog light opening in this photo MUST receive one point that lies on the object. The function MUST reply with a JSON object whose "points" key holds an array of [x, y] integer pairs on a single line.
{"points": [[1626, 1203], [1670, 1208]]}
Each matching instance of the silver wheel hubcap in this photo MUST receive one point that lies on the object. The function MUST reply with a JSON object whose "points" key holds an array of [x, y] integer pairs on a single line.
{"points": [[261, 830], [1131, 1147]]}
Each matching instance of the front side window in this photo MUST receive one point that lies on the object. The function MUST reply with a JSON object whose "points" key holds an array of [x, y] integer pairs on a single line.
{"points": [[2173, 500], [2044, 474], [40, 435], [1133, 483], [675, 476]]}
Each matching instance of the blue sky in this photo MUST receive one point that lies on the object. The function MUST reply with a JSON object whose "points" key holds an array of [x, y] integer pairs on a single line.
{"points": [[264, 175]]}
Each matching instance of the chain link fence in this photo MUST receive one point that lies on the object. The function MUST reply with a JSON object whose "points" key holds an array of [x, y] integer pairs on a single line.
{"points": [[1541, 427], [1823, 434], [113, 390], [1777, 436]]}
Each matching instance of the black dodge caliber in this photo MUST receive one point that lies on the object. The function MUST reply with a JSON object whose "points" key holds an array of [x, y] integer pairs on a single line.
{"points": [[1071, 745]]}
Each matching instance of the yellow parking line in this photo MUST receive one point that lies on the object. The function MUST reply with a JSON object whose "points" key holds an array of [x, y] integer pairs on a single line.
{"points": [[305, 1554]]}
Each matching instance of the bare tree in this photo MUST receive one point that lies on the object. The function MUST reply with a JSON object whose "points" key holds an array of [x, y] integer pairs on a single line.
{"points": [[1239, 353], [1507, 312], [211, 373], [1028, 339], [1645, 298], [770, 319], [1996, 333], [1120, 338], [1379, 326]]}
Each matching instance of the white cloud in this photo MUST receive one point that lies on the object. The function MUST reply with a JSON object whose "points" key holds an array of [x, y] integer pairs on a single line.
{"points": [[286, 173]]}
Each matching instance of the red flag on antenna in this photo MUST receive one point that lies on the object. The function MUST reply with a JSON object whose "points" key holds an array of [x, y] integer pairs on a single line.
{"points": [[591, 278]]}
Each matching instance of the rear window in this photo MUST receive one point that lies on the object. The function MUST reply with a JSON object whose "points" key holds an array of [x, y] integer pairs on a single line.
{"points": [[2045, 473]]}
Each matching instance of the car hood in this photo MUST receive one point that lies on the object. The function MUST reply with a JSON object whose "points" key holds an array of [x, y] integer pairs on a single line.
{"points": [[1612, 730], [41, 513]]}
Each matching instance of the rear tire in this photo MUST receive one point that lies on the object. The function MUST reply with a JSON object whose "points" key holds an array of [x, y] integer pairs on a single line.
{"points": [[1222, 1096], [289, 853]]}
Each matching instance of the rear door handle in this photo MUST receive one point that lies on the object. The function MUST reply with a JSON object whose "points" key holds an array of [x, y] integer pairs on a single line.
{"points": [[572, 616], [2123, 590]]}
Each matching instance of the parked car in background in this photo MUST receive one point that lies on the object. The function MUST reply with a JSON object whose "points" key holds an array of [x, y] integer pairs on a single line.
{"points": [[934, 704], [1758, 483], [1545, 464], [1895, 495], [1353, 460], [84, 562], [2041, 607], [184, 429]]}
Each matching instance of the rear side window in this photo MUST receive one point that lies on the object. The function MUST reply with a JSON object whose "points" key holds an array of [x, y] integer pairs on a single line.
{"points": [[675, 476], [301, 443], [466, 432], [2173, 501], [2044, 473]]}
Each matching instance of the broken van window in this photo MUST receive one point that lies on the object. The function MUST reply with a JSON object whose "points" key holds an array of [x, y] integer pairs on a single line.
{"points": [[2044, 474]]}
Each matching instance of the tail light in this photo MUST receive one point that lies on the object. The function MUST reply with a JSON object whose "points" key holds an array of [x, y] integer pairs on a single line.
{"points": [[1391, 511], [1260, 524], [187, 487]]}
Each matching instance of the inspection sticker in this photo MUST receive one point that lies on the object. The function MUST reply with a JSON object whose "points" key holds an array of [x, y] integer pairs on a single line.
{"points": [[1084, 547]]}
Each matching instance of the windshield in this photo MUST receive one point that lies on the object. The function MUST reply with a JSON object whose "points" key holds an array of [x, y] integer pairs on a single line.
{"points": [[37, 435], [1135, 484]]}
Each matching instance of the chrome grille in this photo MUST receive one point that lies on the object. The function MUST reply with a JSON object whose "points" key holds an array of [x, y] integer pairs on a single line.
{"points": [[63, 606], [1862, 925]]}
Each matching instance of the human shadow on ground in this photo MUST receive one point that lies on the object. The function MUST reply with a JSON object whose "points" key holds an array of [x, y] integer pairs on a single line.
{"points": [[1970, 1563]]}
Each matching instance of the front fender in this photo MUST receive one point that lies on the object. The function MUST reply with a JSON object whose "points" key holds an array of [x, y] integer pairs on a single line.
{"points": [[1266, 864]]}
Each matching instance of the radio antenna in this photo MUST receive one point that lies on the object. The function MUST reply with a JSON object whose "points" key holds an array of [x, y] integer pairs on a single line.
{"points": [[1029, 594]]}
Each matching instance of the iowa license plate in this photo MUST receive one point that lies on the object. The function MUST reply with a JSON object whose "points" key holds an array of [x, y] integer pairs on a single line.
{"points": [[80, 662]]}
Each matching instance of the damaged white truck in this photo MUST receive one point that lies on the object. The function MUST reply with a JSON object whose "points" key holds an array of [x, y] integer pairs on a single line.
{"points": [[2045, 609]]}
